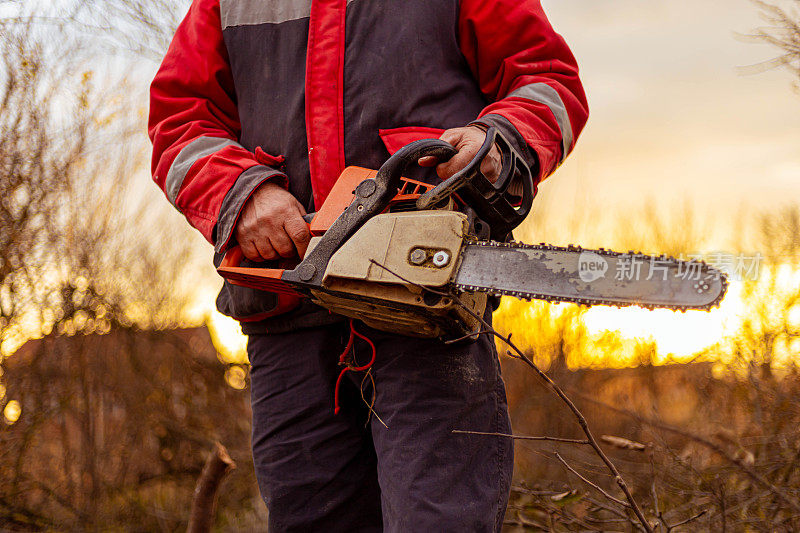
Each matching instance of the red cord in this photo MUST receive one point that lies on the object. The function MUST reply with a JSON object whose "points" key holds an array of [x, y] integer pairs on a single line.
{"points": [[343, 358]]}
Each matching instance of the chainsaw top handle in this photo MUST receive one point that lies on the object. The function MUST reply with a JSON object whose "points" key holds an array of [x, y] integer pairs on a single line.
{"points": [[371, 198], [504, 204]]}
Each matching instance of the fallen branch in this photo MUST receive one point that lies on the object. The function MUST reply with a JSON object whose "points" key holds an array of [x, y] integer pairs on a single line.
{"points": [[688, 520], [204, 503]]}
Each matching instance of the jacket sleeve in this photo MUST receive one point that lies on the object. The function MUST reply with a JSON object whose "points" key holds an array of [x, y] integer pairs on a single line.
{"points": [[194, 126], [528, 74]]}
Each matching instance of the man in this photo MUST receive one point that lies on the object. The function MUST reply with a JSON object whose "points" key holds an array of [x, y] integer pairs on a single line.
{"points": [[257, 108]]}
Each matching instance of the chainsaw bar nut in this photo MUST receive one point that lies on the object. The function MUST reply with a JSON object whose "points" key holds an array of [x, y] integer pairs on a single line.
{"points": [[418, 256], [440, 259]]}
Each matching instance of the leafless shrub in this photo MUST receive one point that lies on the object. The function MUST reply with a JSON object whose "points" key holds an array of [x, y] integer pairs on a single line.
{"points": [[113, 427], [79, 250], [37, 156]]}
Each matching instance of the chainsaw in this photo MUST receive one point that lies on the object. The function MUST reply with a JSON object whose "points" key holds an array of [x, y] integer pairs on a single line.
{"points": [[421, 260]]}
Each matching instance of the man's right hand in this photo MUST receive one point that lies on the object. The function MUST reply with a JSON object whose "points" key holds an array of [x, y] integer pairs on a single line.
{"points": [[271, 225]]}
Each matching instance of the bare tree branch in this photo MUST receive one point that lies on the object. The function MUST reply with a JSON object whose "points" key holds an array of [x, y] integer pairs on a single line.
{"points": [[592, 484], [782, 32], [522, 437]]}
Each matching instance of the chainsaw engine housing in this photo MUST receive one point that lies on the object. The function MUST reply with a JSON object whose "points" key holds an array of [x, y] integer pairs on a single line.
{"points": [[380, 276]]}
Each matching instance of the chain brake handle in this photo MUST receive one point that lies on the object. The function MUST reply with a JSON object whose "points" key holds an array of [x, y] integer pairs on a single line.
{"points": [[494, 203]]}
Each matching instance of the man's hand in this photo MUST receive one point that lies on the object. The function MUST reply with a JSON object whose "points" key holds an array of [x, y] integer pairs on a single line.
{"points": [[467, 141], [271, 225]]}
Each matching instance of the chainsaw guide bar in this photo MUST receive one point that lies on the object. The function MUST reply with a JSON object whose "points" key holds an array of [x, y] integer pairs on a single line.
{"points": [[588, 277]]}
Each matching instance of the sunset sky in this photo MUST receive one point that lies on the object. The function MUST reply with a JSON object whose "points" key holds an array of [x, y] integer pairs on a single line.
{"points": [[672, 114]]}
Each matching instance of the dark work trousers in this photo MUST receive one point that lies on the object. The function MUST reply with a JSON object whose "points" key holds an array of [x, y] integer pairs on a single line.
{"points": [[349, 472]]}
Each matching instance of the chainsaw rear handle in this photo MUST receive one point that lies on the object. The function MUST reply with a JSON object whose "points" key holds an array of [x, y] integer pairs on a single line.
{"points": [[372, 196], [497, 204]]}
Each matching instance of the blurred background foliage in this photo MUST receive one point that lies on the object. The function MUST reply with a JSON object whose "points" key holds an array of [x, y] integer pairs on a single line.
{"points": [[115, 381]]}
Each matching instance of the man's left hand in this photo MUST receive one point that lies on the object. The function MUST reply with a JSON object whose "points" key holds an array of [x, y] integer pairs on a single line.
{"points": [[467, 141]]}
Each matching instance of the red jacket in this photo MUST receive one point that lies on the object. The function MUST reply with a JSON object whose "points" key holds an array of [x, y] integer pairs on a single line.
{"points": [[295, 90]]}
